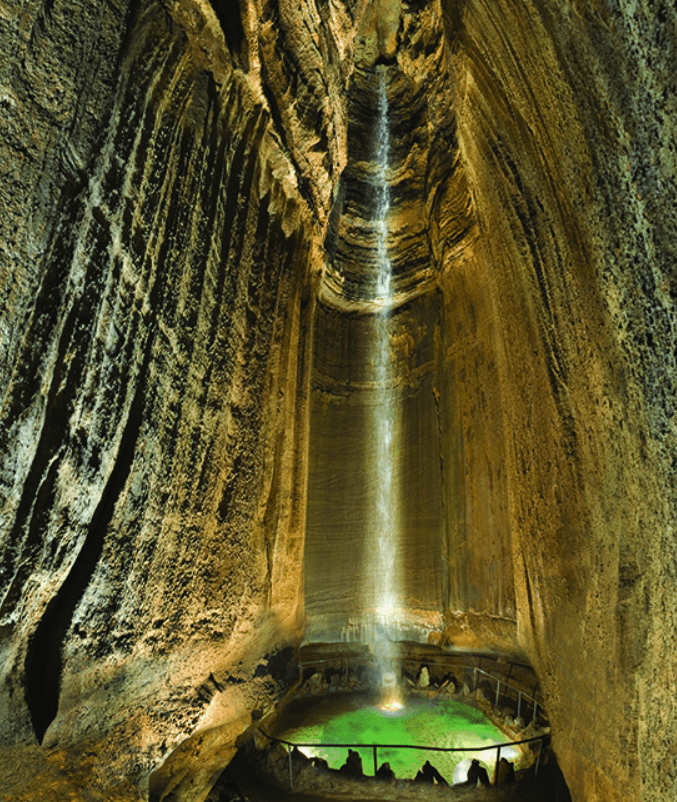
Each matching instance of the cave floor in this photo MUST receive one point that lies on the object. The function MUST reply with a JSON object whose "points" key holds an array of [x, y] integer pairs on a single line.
{"points": [[270, 794]]}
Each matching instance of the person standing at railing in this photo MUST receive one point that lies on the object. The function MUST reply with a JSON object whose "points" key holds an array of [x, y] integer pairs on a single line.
{"points": [[505, 774], [477, 774], [430, 774]]}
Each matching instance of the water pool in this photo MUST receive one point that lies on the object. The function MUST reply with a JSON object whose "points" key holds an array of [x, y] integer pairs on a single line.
{"points": [[422, 722]]}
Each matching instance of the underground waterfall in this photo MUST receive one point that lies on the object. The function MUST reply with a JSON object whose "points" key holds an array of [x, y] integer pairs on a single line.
{"points": [[376, 548], [383, 576], [190, 232]]}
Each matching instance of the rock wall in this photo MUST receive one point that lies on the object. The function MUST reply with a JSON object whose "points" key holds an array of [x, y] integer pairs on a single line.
{"points": [[453, 530], [157, 286], [566, 124], [183, 190]]}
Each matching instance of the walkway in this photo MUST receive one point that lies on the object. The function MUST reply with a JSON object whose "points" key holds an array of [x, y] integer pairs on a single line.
{"points": [[369, 790]]}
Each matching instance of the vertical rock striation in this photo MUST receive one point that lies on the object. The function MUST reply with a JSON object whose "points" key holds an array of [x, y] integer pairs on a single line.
{"points": [[566, 125], [187, 253], [450, 456], [158, 308]]}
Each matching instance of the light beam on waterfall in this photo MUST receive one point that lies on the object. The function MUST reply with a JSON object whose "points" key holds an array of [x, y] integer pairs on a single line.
{"points": [[386, 585]]}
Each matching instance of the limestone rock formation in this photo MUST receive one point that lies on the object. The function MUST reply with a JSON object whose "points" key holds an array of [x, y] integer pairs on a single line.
{"points": [[186, 253], [158, 279]]}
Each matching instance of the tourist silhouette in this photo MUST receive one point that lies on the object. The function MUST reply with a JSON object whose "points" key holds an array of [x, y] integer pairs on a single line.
{"points": [[477, 773], [429, 774]]}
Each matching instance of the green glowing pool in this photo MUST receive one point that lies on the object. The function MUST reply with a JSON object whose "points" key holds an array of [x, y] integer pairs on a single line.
{"points": [[422, 722]]}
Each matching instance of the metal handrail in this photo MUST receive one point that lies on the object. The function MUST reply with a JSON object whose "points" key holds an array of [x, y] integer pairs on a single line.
{"points": [[520, 693], [375, 747]]}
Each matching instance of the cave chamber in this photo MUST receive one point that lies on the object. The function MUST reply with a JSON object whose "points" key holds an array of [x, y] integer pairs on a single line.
{"points": [[187, 306]]}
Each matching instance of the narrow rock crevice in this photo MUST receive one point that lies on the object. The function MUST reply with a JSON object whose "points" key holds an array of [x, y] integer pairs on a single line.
{"points": [[229, 14], [43, 663]]}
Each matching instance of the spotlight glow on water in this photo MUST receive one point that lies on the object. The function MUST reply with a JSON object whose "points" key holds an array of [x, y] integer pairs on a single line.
{"points": [[421, 722], [391, 705], [390, 693]]}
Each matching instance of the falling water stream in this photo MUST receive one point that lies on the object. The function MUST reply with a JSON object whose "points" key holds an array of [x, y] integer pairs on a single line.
{"points": [[354, 718], [384, 573]]}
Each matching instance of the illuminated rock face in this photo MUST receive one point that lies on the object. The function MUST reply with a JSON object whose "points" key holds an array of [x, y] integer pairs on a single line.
{"points": [[185, 246], [567, 151], [154, 413], [449, 453]]}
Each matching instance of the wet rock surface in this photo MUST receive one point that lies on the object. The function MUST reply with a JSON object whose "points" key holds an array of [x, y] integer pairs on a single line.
{"points": [[185, 248]]}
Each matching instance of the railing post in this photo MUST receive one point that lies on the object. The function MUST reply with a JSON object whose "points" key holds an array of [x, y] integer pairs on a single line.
{"points": [[498, 760], [538, 759], [519, 705], [498, 689], [291, 777], [535, 709], [375, 761]]}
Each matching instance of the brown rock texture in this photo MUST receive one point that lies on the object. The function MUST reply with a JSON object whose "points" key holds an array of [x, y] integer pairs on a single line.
{"points": [[157, 308], [450, 467], [566, 127], [186, 257]]}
